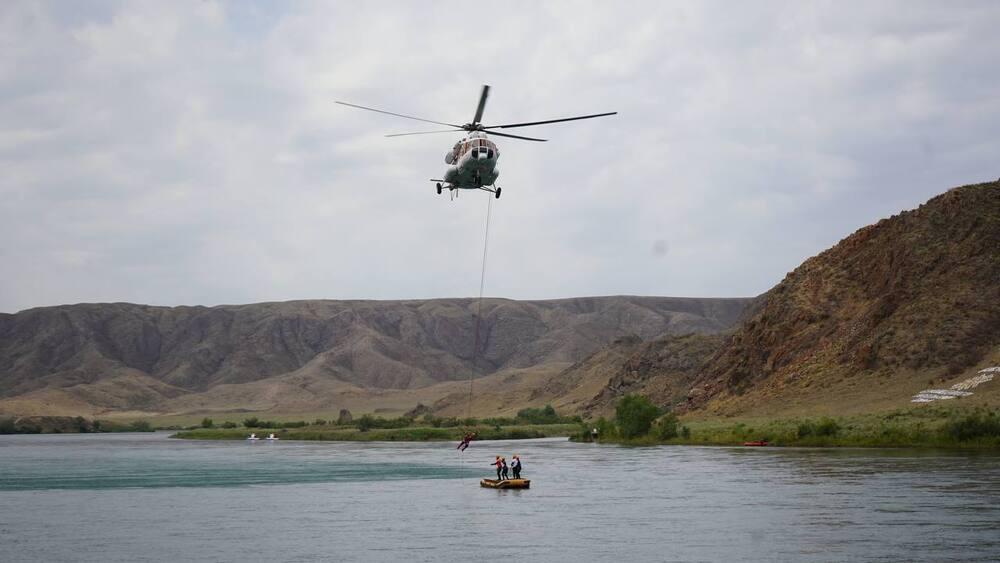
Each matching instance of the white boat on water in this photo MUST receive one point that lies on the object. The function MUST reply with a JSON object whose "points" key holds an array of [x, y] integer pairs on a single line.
{"points": [[273, 437], [252, 437]]}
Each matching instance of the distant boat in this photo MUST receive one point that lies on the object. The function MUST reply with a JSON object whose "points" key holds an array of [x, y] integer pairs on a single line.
{"points": [[756, 443], [505, 483]]}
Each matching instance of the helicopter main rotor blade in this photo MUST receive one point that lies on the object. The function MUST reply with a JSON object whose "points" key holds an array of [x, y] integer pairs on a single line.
{"points": [[531, 123], [425, 132], [498, 134], [482, 103], [399, 114]]}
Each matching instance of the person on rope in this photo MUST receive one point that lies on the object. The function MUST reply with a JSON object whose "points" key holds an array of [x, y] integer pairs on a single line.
{"points": [[497, 464], [465, 441], [503, 468], [515, 466]]}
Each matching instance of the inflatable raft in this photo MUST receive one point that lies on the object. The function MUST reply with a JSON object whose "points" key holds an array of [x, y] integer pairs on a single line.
{"points": [[506, 483]]}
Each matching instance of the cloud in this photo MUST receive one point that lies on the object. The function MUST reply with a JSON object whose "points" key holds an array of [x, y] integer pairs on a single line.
{"points": [[190, 152]]}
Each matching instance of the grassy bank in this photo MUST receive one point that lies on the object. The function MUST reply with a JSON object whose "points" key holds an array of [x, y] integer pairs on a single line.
{"points": [[408, 434], [923, 427]]}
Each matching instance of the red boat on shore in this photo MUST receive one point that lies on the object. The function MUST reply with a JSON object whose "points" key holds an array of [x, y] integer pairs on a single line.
{"points": [[756, 443]]}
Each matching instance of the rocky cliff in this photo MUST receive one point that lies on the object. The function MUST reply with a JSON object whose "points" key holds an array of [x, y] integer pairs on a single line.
{"points": [[908, 301]]}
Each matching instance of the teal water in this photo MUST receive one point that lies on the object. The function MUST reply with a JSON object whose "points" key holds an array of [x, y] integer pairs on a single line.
{"points": [[142, 497]]}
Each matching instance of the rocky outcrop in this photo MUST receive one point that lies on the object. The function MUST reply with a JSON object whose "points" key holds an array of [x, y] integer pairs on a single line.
{"points": [[916, 295], [661, 370]]}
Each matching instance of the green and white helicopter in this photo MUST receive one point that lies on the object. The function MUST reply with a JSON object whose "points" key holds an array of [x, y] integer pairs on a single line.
{"points": [[473, 160]]}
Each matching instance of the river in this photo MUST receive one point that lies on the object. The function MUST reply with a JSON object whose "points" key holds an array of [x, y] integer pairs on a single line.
{"points": [[146, 497]]}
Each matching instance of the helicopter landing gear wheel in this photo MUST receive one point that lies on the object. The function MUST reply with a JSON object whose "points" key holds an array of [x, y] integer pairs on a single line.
{"points": [[497, 193], [439, 188]]}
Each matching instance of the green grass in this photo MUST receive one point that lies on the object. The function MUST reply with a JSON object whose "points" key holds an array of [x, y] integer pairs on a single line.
{"points": [[411, 434], [923, 427]]}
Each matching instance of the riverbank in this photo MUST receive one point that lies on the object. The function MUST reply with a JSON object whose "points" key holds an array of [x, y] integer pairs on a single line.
{"points": [[67, 425], [919, 427], [409, 434]]}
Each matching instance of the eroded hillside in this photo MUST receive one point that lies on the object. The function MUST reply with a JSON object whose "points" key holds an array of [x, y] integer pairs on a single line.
{"points": [[122, 356], [909, 301]]}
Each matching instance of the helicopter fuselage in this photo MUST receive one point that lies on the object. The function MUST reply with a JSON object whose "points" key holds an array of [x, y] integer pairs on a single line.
{"points": [[473, 163]]}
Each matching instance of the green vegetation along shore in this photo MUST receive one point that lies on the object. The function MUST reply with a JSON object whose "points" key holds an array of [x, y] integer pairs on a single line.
{"points": [[638, 422], [529, 423], [68, 425], [408, 434]]}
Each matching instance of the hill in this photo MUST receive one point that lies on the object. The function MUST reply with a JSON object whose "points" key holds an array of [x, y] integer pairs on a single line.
{"points": [[294, 356], [908, 303]]}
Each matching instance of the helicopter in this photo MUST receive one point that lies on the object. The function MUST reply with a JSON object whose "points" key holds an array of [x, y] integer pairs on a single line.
{"points": [[472, 162]]}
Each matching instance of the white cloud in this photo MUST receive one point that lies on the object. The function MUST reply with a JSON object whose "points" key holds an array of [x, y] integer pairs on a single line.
{"points": [[190, 152]]}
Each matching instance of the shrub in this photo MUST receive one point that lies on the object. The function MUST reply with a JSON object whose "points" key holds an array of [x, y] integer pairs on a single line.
{"points": [[827, 427], [319, 422], [666, 427], [973, 426], [365, 422], [229, 424], [207, 423], [499, 421], [635, 415], [546, 415], [82, 425], [140, 426], [251, 422], [605, 428], [685, 432], [824, 427]]}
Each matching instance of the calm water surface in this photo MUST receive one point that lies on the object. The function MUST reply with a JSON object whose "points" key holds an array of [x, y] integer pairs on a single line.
{"points": [[141, 497]]}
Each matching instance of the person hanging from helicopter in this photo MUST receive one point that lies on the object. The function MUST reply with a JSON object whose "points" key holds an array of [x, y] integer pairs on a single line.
{"points": [[465, 441]]}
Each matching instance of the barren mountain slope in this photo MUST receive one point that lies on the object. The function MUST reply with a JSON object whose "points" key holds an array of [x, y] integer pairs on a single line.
{"points": [[159, 356], [899, 305]]}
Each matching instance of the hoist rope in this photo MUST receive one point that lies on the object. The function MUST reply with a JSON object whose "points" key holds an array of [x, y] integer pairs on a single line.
{"points": [[479, 303]]}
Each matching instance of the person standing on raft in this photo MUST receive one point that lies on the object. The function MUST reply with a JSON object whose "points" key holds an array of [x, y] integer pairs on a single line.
{"points": [[515, 466], [503, 470], [497, 463], [465, 441]]}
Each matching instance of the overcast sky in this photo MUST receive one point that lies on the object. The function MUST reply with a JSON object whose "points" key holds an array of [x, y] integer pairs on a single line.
{"points": [[190, 152]]}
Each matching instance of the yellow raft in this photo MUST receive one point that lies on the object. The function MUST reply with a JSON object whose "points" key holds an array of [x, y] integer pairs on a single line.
{"points": [[506, 483]]}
